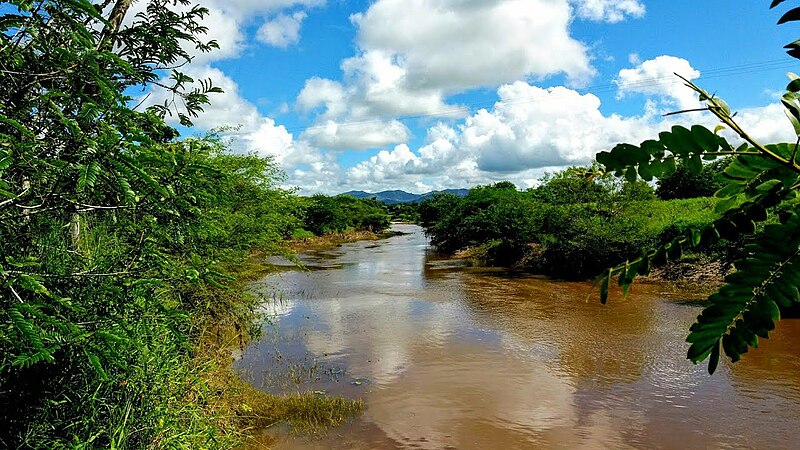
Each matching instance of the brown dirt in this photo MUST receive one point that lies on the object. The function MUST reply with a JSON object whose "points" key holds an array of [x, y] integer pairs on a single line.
{"points": [[334, 239]]}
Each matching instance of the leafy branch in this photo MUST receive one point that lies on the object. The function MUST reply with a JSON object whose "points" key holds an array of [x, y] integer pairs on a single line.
{"points": [[760, 183]]}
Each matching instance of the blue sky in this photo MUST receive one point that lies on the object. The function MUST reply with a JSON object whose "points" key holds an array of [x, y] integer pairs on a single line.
{"points": [[432, 94]]}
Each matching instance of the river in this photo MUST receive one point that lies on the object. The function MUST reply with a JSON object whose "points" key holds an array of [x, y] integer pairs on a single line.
{"points": [[452, 357]]}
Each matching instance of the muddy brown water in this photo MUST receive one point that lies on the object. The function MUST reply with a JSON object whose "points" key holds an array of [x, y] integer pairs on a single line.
{"points": [[451, 357]]}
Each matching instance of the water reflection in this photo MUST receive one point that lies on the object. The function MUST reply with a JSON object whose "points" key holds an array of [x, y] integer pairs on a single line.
{"points": [[447, 356]]}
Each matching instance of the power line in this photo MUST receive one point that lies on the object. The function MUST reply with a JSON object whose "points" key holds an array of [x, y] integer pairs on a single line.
{"points": [[469, 108]]}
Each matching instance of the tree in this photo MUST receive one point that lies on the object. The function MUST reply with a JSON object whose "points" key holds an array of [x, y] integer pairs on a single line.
{"points": [[436, 207], [99, 209], [685, 184], [572, 186], [492, 215], [760, 182]]}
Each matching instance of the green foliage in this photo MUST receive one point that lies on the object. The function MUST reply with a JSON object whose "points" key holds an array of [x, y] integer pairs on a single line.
{"points": [[638, 191], [114, 237], [542, 233], [404, 212], [325, 214], [435, 208], [759, 181], [488, 213], [573, 186], [685, 184]]}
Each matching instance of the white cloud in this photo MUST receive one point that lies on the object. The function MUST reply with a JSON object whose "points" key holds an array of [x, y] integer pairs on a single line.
{"points": [[517, 139], [414, 53], [322, 92], [458, 44], [227, 19], [251, 132], [356, 135], [282, 30], [552, 127], [226, 109], [767, 124], [608, 10], [656, 77], [359, 114]]}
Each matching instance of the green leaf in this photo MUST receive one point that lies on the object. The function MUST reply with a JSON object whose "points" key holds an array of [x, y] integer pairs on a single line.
{"points": [[790, 16], [88, 176], [794, 84], [674, 250], [630, 174], [30, 283], [94, 361], [695, 236], [5, 162], [745, 308], [695, 164], [606, 279], [705, 138]]}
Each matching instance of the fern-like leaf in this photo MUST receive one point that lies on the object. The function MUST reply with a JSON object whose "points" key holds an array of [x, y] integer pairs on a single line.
{"points": [[88, 175], [125, 187], [26, 328], [658, 158], [94, 361], [746, 308]]}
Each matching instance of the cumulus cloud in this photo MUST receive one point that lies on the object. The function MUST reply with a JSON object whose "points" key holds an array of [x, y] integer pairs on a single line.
{"points": [[356, 135], [767, 124], [528, 131], [282, 31], [413, 54], [249, 129], [323, 92], [358, 114], [656, 77], [553, 127], [608, 10], [227, 19], [458, 44]]}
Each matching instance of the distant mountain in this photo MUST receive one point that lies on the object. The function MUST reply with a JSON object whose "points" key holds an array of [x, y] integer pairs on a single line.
{"points": [[396, 196]]}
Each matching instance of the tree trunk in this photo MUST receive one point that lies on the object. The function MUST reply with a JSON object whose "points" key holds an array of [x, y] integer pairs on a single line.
{"points": [[114, 22]]}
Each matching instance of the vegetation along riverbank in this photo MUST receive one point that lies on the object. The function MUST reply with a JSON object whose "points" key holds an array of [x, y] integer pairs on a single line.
{"points": [[575, 223], [125, 247]]}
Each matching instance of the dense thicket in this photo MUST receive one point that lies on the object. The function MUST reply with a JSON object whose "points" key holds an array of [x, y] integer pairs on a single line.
{"points": [[404, 212], [117, 240], [684, 183], [573, 225], [323, 214]]}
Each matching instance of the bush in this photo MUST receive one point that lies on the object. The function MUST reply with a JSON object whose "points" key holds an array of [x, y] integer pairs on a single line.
{"points": [[325, 214], [564, 240], [684, 183]]}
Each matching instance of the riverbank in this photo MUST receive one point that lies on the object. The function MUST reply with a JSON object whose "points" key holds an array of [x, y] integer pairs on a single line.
{"points": [[696, 273], [241, 409], [334, 239]]}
